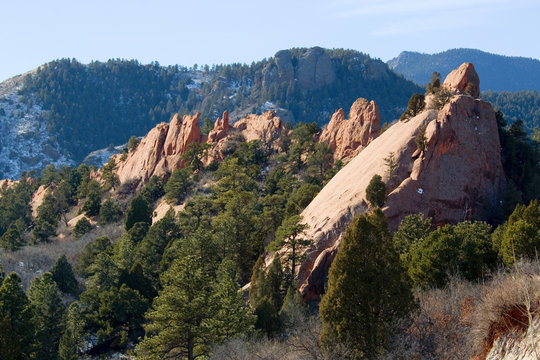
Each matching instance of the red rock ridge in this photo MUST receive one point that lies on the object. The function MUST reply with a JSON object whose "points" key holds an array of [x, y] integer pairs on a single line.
{"points": [[458, 176]]}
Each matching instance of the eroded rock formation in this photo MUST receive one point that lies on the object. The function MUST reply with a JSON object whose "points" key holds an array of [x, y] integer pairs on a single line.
{"points": [[161, 150], [462, 77], [347, 137], [458, 175]]}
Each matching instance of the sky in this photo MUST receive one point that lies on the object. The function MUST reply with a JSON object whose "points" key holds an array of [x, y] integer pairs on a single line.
{"points": [[218, 32]]}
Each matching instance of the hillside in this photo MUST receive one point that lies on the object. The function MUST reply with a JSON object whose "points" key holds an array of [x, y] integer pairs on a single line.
{"points": [[498, 72], [87, 107]]}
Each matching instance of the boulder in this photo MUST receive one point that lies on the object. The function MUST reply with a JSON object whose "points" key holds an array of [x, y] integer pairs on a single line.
{"points": [[461, 77], [347, 137]]}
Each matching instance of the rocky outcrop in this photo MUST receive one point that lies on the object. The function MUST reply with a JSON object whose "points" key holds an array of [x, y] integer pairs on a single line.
{"points": [[37, 199], [458, 176], [347, 137], [311, 70], [463, 77], [161, 150], [221, 128]]}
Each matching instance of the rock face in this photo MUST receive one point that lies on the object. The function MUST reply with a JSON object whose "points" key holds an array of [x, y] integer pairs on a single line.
{"points": [[161, 150], [312, 70], [460, 78], [221, 127], [347, 137], [517, 345], [457, 176]]}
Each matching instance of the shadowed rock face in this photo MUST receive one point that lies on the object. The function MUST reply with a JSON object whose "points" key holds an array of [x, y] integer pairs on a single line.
{"points": [[347, 137], [313, 70], [459, 175]]}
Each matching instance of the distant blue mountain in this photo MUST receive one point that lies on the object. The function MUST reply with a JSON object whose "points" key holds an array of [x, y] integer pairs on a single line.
{"points": [[497, 72]]}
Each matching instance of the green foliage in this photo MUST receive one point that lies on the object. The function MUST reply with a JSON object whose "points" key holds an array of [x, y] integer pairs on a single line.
{"points": [[178, 186], [435, 83], [376, 191], [464, 248], [420, 139], [49, 312], [109, 212], [519, 236], [236, 232], [74, 336], [11, 240], [300, 198], [108, 175], [82, 227], [518, 105], [139, 210], [414, 107], [47, 219], [153, 190], [231, 318], [90, 253], [176, 321], [93, 199], [16, 320], [62, 274], [265, 295], [15, 206], [367, 289], [150, 250], [288, 237], [412, 229], [133, 142]]}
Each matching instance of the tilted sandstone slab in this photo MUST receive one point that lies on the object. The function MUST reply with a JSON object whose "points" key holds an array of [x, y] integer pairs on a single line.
{"points": [[347, 137]]}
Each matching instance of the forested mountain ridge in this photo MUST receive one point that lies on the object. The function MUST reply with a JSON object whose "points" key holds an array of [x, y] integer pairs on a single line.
{"points": [[88, 107], [498, 72]]}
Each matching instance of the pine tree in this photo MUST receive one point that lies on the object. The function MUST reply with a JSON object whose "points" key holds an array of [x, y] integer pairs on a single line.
{"points": [[139, 210], [49, 314], [367, 288], [178, 186], [288, 237], [62, 274], [175, 327], [16, 320], [73, 338], [376, 191], [232, 318], [93, 199]]}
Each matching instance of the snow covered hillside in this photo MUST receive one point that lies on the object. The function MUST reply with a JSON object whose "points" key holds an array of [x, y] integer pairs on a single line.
{"points": [[25, 143]]}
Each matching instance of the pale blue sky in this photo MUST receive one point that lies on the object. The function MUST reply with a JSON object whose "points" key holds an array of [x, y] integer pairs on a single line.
{"points": [[211, 31]]}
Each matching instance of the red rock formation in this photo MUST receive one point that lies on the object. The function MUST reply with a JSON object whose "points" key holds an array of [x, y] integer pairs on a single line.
{"points": [[220, 130], [459, 78], [347, 137], [161, 150], [458, 176]]}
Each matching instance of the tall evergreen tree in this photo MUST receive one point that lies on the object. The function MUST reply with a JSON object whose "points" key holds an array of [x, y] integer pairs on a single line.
{"points": [[367, 288], [139, 210], [16, 320], [48, 317], [62, 274]]}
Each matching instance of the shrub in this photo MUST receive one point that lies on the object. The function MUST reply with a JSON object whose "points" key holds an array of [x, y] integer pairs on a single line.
{"points": [[109, 212], [82, 227], [376, 191], [510, 303], [421, 140], [133, 142], [415, 106]]}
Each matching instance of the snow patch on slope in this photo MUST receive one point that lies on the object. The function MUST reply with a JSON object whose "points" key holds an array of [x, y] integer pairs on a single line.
{"points": [[25, 142]]}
